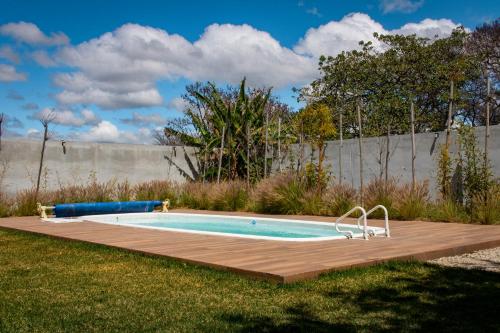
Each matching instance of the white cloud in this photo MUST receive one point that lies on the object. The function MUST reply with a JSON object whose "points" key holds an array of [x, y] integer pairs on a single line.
{"points": [[109, 100], [139, 119], [229, 52], [43, 59], [106, 131], [33, 133], [8, 53], [89, 117], [428, 28], [337, 36], [9, 74], [29, 33], [68, 117], [102, 132], [178, 104], [120, 69], [344, 35], [403, 6]]}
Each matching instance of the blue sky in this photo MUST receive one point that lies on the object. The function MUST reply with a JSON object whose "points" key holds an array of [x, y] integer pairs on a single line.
{"points": [[114, 70]]}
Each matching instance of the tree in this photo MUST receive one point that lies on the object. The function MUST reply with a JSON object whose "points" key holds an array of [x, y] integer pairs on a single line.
{"points": [[317, 125], [2, 116], [240, 113], [45, 120]]}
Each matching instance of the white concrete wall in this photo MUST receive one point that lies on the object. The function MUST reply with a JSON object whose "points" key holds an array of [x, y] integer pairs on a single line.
{"points": [[138, 163], [427, 152]]}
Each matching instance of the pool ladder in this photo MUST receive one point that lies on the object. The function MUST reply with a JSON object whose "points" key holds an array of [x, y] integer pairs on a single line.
{"points": [[364, 214]]}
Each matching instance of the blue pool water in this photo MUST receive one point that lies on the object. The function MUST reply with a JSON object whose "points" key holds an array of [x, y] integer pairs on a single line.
{"points": [[241, 226]]}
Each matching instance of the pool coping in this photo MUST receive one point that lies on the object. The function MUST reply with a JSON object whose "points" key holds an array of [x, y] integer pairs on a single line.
{"points": [[279, 261], [377, 231]]}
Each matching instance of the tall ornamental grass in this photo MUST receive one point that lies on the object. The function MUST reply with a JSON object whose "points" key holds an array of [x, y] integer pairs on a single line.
{"points": [[286, 193]]}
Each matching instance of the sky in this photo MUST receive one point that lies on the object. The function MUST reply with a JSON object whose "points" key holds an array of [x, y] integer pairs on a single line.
{"points": [[114, 71]]}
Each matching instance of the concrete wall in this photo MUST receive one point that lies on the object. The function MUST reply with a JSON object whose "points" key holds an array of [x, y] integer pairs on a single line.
{"points": [[427, 151], [138, 163], [19, 160]]}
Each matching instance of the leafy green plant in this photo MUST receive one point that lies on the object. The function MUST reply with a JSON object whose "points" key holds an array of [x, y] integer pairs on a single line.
{"points": [[444, 172], [477, 175], [316, 123], [446, 211], [487, 206]]}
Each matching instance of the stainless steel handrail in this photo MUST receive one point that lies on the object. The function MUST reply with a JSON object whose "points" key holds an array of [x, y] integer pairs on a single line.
{"points": [[349, 234], [386, 219]]}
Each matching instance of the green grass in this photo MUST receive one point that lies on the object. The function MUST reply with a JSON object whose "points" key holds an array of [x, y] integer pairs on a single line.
{"points": [[49, 285]]}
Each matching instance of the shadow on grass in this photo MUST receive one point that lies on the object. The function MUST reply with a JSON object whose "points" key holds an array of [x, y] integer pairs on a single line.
{"points": [[300, 319], [445, 299], [442, 300]]}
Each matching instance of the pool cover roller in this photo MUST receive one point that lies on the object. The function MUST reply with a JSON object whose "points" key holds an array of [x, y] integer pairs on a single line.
{"points": [[97, 208]]}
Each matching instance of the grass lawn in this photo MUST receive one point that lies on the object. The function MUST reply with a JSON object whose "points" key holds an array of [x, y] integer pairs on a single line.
{"points": [[52, 285]]}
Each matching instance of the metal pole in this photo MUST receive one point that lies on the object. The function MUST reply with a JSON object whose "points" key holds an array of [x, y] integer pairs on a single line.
{"points": [[450, 112], [1, 124], [387, 155], [205, 164], [248, 156], [266, 148], [45, 138], [220, 154], [487, 134], [340, 149], [361, 189], [301, 147], [412, 116], [279, 143]]}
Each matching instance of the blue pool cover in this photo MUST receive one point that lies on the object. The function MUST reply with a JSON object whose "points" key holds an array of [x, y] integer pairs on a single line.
{"points": [[95, 208]]}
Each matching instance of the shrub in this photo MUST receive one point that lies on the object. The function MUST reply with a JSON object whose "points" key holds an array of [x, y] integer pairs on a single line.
{"points": [[487, 206], [156, 190], [446, 210], [281, 194], [477, 180], [124, 191], [4, 206], [377, 192], [410, 203], [25, 203], [195, 195], [312, 203], [339, 199], [231, 196]]}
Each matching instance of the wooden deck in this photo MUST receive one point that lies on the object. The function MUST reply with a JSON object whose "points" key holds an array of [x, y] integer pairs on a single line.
{"points": [[275, 260]]}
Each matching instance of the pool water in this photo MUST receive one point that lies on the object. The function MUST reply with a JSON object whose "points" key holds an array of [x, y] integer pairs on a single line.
{"points": [[239, 226]]}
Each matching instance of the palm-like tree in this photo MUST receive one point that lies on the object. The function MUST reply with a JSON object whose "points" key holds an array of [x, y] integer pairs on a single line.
{"points": [[240, 116]]}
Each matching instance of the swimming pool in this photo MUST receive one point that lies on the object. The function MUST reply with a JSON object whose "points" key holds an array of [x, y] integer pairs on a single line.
{"points": [[237, 226]]}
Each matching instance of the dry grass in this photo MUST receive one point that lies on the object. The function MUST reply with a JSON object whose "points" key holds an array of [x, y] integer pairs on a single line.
{"points": [[338, 199], [286, 193], [281, 194]]}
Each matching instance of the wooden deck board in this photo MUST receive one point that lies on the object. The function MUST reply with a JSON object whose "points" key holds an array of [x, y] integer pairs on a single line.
{"points": [[276, 260]]}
